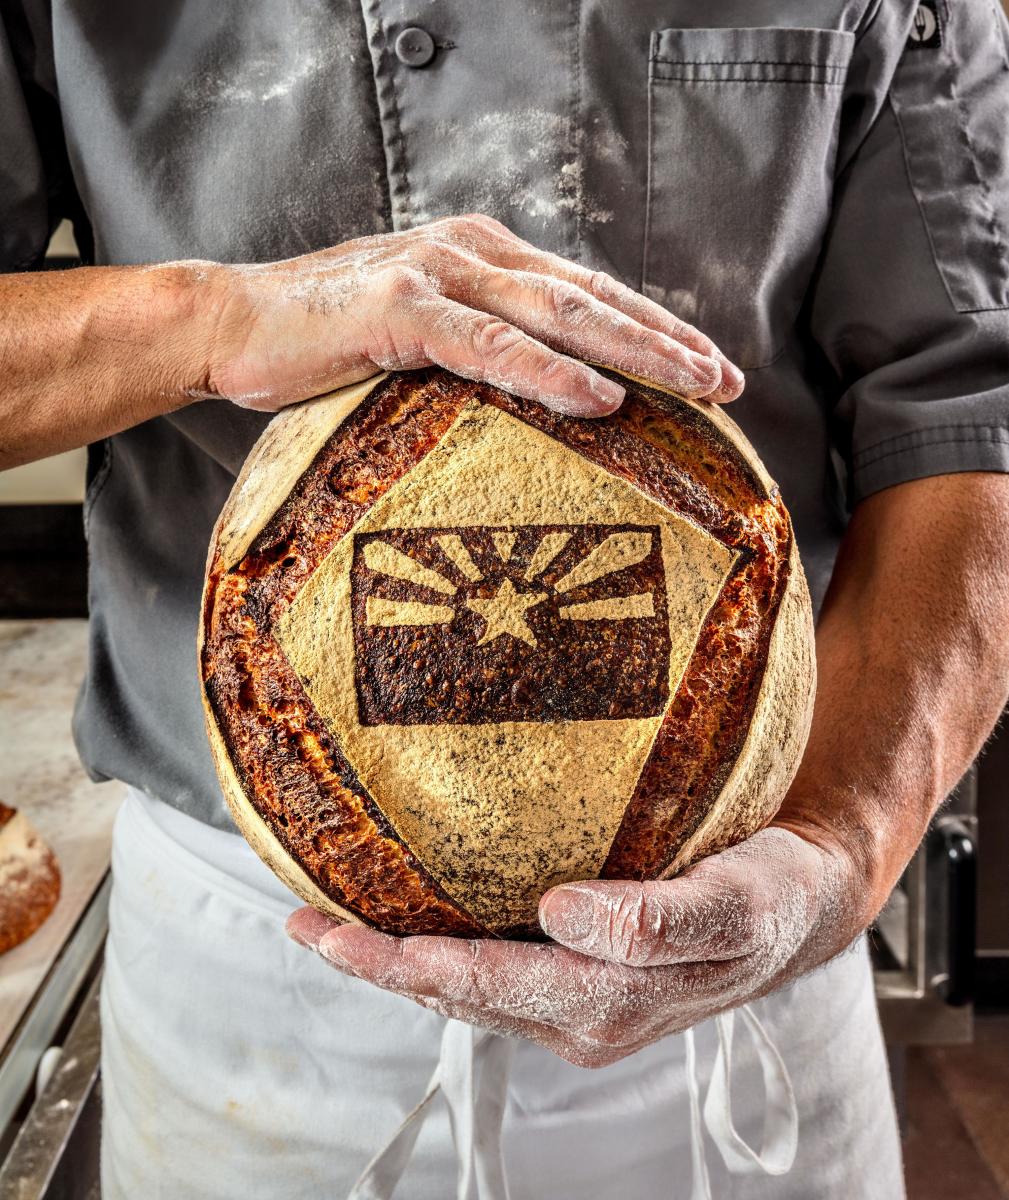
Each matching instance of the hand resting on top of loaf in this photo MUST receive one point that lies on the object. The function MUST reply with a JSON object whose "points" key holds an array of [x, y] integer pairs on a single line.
{"points": [[462, 292]]}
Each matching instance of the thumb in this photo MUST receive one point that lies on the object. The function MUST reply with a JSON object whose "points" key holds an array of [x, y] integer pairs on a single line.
{"points": [[308, 927], [649, 924]]}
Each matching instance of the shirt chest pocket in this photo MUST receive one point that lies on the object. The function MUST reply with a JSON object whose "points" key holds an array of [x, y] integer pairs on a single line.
{"points": [[741, 145]]}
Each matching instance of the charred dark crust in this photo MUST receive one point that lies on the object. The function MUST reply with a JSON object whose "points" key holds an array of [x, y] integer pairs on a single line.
{"points": [[295, 775]]}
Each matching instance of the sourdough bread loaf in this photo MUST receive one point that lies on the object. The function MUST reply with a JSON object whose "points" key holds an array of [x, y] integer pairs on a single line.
{"points": [[456, 649], [29, 879]]}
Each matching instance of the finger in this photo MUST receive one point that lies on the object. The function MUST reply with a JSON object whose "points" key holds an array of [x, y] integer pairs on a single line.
{"points": [[528, 981], [653, 316], [685, 920], [521, 979], [583, 998], [496, 244], [480, 346], [308, 926], [566, 317], [619, 296]]}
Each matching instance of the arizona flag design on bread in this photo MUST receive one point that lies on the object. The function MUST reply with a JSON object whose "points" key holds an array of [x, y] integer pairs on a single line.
{"points": [[457, 649], [520, 627]]}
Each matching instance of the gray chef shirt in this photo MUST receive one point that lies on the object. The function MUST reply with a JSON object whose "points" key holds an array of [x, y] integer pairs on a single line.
{"points": [[821, 185]]}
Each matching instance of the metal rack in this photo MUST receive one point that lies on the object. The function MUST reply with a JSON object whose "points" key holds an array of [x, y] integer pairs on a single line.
{"points": [[925, 937], [54, 1153]]}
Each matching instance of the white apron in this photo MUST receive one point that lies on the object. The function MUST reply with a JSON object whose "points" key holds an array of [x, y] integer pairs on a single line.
{"points": [[238, 1066]]}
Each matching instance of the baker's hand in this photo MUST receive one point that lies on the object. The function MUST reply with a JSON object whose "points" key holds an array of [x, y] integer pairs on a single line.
{"points": [[636, 961], [462, 292]]}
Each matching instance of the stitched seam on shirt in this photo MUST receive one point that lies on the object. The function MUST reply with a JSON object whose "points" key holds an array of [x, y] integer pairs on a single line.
{"points": [[984, 189], [649, 187], [388, 108], [910, 442], [401, 140], [748, 62], [577, 135], [367, 69], [744, 82], [905, 157]]}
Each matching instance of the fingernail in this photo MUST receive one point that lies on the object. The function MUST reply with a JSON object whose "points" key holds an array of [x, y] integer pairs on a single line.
{"points": [[567, 915], [733, 381], [731, 374], [308, 927], [611, 394], [347, 946]]}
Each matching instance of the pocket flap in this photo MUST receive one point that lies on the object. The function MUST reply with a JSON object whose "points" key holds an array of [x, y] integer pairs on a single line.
{"points": [[740, 55]]}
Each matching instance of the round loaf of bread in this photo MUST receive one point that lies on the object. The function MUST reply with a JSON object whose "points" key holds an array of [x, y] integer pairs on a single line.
{"points": [[456, 649], [29, 879]]}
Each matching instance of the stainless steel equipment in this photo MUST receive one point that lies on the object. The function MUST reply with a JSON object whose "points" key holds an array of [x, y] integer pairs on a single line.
{"points": [[925, 938], [53, 1131], [55, 1154]]}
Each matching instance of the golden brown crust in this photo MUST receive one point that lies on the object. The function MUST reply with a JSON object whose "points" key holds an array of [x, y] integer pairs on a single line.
{"points": [[29, 879], [286, 774]]}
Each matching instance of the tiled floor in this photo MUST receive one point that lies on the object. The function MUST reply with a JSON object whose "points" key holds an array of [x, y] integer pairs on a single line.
{"points": [[957, 1144]]}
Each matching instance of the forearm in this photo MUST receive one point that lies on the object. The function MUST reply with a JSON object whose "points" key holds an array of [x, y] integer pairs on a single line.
{"points": [[89, 352], [913, 668]]}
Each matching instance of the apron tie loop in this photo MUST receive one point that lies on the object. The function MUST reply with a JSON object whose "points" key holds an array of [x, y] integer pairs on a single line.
{"points": [[476, 1105], [781, 1118]]}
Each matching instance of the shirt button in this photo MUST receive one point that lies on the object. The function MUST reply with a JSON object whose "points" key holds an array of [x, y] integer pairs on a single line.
{"points": [[415, 47]]}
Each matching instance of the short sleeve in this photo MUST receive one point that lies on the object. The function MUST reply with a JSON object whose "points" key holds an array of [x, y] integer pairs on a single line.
{"points": [[36, 188], [911, 304]]}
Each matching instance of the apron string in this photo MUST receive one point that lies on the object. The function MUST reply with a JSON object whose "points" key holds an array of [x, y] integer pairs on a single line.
{"points": [[476, 1113], [498, 1055], [781, 1117], [701, 1189]]}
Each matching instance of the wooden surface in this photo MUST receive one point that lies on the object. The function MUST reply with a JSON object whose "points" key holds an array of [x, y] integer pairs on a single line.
{"points": [[958, 1113], [41, 666]]}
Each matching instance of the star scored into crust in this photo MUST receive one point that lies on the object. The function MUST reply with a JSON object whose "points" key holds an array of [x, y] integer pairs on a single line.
{"points": [[504, 612]]}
